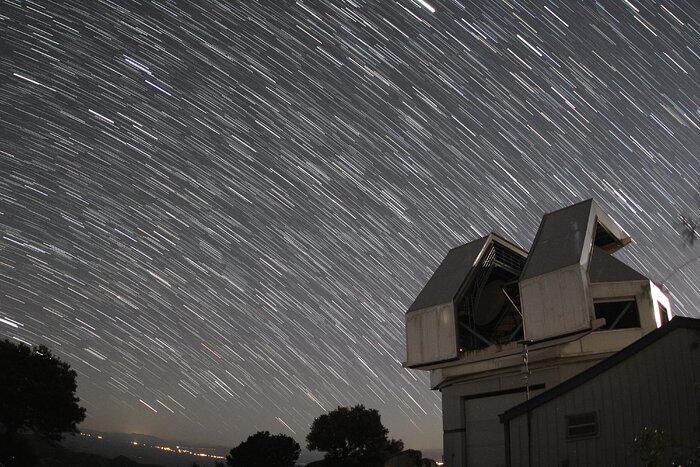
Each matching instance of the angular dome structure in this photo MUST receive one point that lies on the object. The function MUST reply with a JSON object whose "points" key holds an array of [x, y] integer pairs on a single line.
{"points": [[496, 324]]}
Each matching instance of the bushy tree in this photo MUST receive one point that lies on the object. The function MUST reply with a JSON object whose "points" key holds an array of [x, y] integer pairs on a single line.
{"points": [[37, 393], [352, 437], [649, 445], [265, 450]]}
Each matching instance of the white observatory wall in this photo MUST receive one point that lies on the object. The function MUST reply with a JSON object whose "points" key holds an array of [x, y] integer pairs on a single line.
{"points": [[659, 298], [484, 435], [431, 335], [556, 303]]}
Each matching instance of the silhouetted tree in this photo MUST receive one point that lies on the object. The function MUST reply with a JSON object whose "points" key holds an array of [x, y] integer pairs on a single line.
{"points": [[352, 437], [651, 446], [37, 394], [265, 450]]}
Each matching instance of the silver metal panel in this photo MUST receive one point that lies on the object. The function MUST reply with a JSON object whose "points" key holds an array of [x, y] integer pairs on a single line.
{"points": [[431, 335], [559, 241], [556, 304], [565, 238]]}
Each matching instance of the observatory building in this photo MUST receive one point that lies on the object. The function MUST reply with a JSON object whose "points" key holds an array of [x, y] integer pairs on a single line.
{"points": [[497, 325]]}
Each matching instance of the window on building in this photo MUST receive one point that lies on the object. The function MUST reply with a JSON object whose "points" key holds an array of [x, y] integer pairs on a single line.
{"points": [[619, 314], [581, 425], [663, 314]]}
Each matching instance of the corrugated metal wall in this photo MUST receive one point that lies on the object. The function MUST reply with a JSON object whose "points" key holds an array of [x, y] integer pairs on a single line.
{"points": [[657, 387]]}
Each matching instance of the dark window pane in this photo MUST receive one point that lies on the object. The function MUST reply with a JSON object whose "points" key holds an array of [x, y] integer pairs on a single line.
{"points": [[664, 314], [618, 315]]}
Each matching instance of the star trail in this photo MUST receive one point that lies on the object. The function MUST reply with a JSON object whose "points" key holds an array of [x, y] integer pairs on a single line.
{"points": [[218, 212]]}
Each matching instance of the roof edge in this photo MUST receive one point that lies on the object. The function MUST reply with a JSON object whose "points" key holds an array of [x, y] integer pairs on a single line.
{"points": [[540, 228], [499, 237], [600, 367], [487, 240]]}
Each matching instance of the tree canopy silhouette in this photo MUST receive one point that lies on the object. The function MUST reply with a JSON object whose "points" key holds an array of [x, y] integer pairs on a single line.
{"points": [[352, 437], [265, 450], [37, 393]]}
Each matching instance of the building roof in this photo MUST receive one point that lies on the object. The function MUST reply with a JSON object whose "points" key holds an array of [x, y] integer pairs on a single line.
{"points": [[565, 236], [454, 271], [560, 242], [607, 268], [676, 323], [561, 232], [450, 275]]}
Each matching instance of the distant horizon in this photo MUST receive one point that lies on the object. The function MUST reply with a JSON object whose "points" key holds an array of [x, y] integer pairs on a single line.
{"points": [[118, 443], [191, 443]]}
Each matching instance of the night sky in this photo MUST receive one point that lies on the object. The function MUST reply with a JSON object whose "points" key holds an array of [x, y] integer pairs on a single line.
{"points": [[218, 212]]}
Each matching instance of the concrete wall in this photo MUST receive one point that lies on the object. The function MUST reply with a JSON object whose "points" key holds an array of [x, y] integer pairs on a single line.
{"points": [[473, 434], [484, 381], [657, 387]]}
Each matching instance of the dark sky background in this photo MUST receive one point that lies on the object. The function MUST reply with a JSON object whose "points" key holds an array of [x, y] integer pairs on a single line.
{"points": [[218, 212]]}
